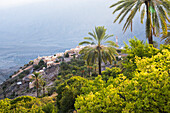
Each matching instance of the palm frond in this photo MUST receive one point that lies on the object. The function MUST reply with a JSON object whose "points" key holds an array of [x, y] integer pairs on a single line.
{"points": [[157, 26], [123, 10], [100, 32], [119, 2], [163, 21], [166, 38], [131, 16], [107, 36], [142, 14], [84, 42], [111, 43], [93, 35], [159, 13], [127, 3], [166, 5], [89, 38]]}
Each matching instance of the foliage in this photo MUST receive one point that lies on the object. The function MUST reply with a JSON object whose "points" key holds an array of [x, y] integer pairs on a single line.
{"points": [[27, 104], [23, 74], [51, 90], [166, 38], [97, 51], [110, 72], [5, 105], [68, 91], [23, 104], [42, 83], [140, 49], [49, 108], [67, 55], [36, 67], [57, 61], [157, 12], [40, 65], [36, 77], [136, 48], [74, 67], [31, 62], [148, 91]]}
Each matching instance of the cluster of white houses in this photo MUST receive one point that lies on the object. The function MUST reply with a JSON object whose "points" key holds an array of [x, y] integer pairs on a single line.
{"points": [[51, 61]]}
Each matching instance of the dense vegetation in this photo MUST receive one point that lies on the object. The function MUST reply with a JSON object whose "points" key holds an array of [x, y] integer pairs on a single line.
{"points": [[147, 91], [140, 83], [28, 104]]}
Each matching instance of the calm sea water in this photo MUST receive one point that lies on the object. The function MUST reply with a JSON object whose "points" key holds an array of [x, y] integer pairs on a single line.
{"points": [[51, 26]]}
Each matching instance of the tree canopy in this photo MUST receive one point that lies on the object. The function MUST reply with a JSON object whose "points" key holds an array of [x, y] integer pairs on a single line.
{"points": [[98, 51], [157, 15]]}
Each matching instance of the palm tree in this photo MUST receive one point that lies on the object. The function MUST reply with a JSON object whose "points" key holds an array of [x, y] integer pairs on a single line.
{"points": [[95, 68], [43, 84], [4, 91], [157, 15], [96, 51], [36, 78]]}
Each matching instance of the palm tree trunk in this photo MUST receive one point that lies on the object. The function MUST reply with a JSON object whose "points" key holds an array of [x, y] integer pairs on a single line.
{"points": [[4, 94], [89, 71], [150, 38], [99, 61], [37, 87], [43, 91]]}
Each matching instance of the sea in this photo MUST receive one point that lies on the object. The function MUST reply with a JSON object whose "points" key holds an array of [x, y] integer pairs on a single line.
{"points": [[46, 27]]}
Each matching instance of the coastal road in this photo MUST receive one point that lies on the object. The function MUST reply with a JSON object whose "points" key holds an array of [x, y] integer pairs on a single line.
{"points": [[29, 67]]}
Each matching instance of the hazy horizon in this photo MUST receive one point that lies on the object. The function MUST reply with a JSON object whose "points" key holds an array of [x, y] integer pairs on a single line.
{"points": [[45, 27]]}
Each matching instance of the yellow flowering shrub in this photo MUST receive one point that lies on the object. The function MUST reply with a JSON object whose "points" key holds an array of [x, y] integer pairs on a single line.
{"points": [[148, 91], [26, 104]]}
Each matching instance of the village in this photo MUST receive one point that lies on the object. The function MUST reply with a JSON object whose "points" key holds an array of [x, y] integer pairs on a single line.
{"points": [[49, 72], [21, 81]]}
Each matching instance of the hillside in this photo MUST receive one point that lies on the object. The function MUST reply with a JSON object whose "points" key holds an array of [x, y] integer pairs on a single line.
{"points": [[48, 27]]}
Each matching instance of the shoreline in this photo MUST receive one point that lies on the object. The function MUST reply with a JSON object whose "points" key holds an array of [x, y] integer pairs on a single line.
{"points": [[49, 60], [5, 73]]}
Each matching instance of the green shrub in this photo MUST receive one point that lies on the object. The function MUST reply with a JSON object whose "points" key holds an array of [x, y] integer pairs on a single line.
{"points": [[36, 67], [51, 90], [5, 105], [111, 72], [57, 61], [67, 55], [148, 91], [41, 63], [21, 75], [24, 104], [136, 48], [49, 108], [31, 62], [68, 91], [28, 104], [26, 72]]}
